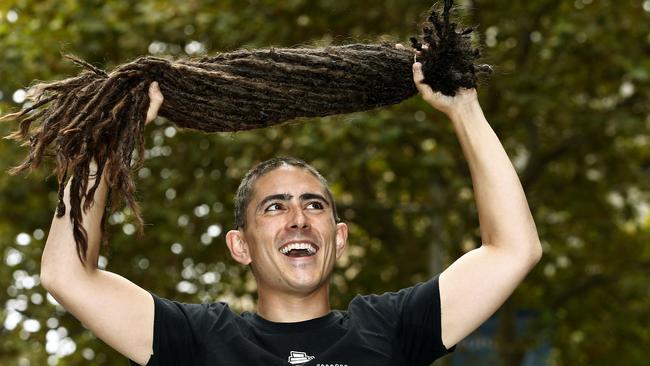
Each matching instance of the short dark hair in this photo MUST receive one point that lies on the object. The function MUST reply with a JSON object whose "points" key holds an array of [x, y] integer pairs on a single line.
{"points": [[246, 187]]}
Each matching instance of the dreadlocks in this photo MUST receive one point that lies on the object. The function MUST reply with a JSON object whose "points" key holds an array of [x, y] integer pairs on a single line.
{"points": [[99, 116]]}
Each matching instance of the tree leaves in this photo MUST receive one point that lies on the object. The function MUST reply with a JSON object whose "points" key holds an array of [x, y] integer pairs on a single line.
{"points": [[560, 100]]}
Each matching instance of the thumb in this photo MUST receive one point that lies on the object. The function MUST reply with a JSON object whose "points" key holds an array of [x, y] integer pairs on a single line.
{"points": [[418, 76], [155, 101]]}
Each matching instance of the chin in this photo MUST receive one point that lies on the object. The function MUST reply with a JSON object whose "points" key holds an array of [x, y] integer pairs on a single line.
{"points": [[307, 285]]}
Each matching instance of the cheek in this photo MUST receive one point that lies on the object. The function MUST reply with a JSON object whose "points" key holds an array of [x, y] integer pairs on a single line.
{"points": [[263, 240]]}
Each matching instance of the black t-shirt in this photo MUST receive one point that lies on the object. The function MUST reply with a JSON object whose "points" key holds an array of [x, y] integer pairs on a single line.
{"points": [[396, 328]]}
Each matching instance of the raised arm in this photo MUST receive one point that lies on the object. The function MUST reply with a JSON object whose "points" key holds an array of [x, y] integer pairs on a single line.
{"points": [[479, 282], [116, 310]]}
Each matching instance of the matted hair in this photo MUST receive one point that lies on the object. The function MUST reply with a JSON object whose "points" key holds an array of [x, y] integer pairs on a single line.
{"points": [[100, 116]]}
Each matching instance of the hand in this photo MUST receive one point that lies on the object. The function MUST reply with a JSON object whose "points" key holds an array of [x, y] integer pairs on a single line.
{"points": [[447, 104], [400, 46], [155, 101], [444, 103]]}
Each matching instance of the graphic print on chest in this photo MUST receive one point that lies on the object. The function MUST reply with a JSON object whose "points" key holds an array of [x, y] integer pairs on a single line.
{"points": [[299, 358]]}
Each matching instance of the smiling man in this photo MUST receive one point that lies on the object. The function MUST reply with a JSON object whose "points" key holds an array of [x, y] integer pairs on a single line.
{"points": [[289, 235], [288, 232]]}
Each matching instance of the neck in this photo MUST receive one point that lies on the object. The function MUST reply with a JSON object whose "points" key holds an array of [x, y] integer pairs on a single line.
{"points": [[293, 307]]}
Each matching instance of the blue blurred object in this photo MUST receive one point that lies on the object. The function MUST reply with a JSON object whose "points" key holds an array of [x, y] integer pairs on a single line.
{"points": [[479, 348]]}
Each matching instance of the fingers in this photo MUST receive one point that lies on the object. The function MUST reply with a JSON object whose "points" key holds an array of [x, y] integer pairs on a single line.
{"points": [[155, 101], [400, 46], [424, 47]]}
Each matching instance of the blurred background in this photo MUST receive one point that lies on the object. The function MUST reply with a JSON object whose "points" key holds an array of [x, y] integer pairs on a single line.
{"points": [[570, 100]]}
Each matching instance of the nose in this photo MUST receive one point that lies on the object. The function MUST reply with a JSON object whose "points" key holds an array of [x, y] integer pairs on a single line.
{"points": [[298, 220]]}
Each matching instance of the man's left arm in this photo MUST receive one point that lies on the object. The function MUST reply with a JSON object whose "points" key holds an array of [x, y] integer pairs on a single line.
{"points": [[480, 281]]}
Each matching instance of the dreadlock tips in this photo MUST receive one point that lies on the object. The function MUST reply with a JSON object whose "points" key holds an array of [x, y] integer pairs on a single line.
{"points": [[449, 59]]}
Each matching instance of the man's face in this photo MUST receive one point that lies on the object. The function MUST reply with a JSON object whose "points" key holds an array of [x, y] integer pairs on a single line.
{"points": [[291, 236]]}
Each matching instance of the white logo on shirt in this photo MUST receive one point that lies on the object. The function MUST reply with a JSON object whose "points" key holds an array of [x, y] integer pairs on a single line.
{"points": [[299, 358]]}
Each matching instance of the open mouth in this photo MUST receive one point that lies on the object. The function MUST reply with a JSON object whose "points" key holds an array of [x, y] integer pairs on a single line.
{"points": [[296, 250]]}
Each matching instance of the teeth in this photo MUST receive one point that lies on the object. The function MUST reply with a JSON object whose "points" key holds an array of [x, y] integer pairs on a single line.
{"points": [[306, 246]]}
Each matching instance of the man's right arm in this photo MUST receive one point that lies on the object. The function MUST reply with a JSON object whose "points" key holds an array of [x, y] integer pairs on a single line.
{"points": [[116, 310]]}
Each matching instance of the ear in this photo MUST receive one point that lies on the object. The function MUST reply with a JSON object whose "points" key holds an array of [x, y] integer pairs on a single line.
{"points": [[341, 239], [238, 247]]}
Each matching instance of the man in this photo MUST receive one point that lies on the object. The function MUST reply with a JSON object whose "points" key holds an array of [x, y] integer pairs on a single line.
{"points": [[288, 233]]}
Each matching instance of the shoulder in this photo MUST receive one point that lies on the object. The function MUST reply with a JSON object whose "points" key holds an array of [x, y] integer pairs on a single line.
{"points": [[397, 299], [198, 314], [182, 330], [390, 306]]}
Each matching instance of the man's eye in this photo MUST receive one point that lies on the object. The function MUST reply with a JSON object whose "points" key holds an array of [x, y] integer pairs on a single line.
{"points": [[273, 207], [315, 205]]}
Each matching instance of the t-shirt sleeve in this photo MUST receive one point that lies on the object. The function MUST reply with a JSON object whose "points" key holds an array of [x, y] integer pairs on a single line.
{"points": [[414, 313], [420, 331], [177, 331]]}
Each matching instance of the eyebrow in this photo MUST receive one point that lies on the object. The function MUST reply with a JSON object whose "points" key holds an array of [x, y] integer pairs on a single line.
{"points": [[287, 197]]}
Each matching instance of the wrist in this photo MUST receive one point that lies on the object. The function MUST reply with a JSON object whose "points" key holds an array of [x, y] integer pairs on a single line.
{"points": [[465, 112]]}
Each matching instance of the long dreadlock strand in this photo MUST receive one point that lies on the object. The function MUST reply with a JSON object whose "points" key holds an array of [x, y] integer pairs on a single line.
{"points": [[99, 116]]}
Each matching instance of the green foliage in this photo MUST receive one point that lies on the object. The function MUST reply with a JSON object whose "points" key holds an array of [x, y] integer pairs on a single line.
{"points": [[570, 99]]}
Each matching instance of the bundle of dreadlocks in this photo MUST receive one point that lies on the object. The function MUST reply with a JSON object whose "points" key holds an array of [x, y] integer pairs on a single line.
{"points": [[449, 60], [99, 116]]}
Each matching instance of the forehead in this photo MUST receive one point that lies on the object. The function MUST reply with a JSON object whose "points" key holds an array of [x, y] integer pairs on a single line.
{"points": [[286, 179]]}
